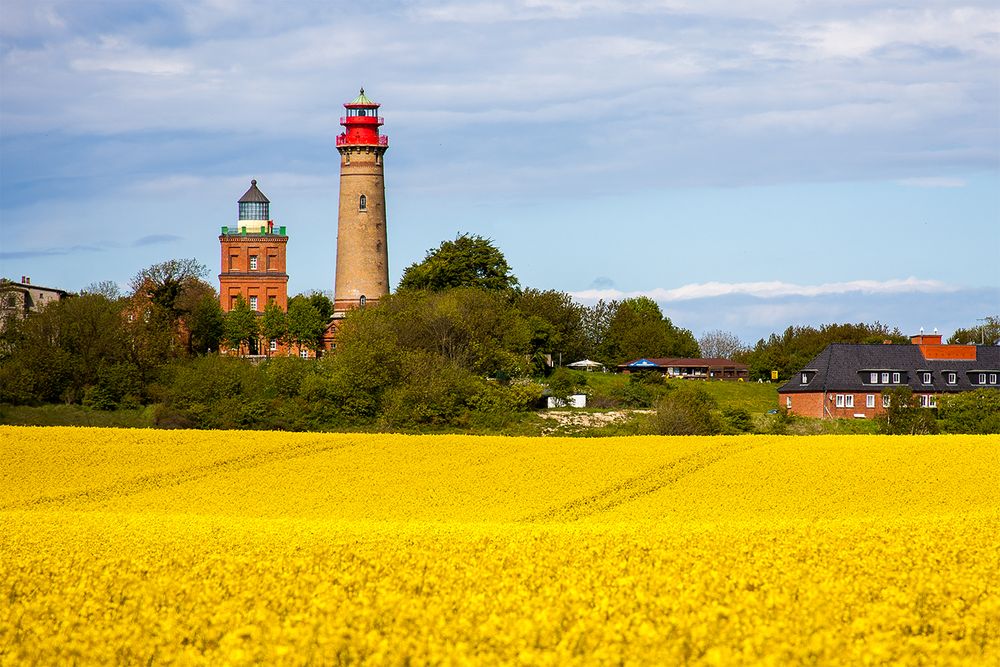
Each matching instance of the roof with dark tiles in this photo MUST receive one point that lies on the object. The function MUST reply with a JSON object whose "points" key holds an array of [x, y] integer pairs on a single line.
{"points": [[848, 368], [253, 195]]}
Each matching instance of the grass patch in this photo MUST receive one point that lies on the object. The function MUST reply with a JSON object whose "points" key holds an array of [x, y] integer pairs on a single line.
{"points": [[74, 415]]}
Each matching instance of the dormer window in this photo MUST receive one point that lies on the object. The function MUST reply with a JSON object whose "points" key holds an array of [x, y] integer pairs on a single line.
{"points": [[925, 377], [805, 378], [885, 378], [873, 378], [895, 378], [362, 203], [952, 378], [982, 378]]}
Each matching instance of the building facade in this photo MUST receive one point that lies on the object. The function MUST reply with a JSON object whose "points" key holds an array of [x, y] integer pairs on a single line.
{"points": [[847, 380], [253, 264], [19, 299], [362, 275], [690, 369]]}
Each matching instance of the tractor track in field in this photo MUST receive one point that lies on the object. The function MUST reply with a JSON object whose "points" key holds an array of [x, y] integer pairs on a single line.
{"points": [[638, 486], [136, 485]]}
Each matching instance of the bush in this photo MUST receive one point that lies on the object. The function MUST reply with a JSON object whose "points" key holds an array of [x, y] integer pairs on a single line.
{"points": [[686, 410], [904, 416], [971, 412], [496, 398], [641, 391], [736, 420], [433, 391]]}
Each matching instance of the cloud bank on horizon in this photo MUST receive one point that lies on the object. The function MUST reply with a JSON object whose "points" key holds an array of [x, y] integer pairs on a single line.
{"points": [[767, 150]]}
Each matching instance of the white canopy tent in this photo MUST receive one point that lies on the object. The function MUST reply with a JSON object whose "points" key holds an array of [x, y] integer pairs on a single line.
{"points": [[586, 365]]}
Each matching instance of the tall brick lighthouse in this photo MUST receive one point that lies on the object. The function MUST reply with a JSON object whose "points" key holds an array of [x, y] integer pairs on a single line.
{"points": [[362, 255]]}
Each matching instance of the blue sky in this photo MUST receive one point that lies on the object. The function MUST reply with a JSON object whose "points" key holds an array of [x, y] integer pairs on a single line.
{"points": [[749, 165]]}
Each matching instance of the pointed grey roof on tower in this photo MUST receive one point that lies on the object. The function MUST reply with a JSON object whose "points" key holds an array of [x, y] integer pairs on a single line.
{"points": [[254, 195]]}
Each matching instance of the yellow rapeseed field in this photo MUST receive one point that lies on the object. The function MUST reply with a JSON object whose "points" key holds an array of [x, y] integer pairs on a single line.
{"points": [[182, 547]]}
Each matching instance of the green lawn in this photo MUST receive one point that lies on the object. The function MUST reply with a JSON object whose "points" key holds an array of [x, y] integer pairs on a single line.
{"points": [[74, 415]]}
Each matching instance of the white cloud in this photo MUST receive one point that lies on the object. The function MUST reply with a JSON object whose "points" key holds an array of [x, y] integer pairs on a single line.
{"points": [[768, 290]]}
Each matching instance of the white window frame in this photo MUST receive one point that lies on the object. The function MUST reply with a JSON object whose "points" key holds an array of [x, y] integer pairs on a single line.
{"points": [[805, 378], [982, 378], [870, 401], [840, 401], [885, 401], [253, 262], [253, 303], [952, 378], [873, 378], [896, 377], [885, 378], [849, 401], [928, 401], [788, 402], [274, 344], [304, 353], [926, 377], [993, 378]]}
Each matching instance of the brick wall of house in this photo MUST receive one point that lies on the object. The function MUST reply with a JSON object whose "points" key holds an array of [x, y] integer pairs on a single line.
{"points": [[268, 281], [812, 404]]}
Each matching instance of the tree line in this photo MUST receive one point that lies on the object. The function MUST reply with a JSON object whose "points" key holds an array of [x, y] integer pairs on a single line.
{"points": [[459, 341]]}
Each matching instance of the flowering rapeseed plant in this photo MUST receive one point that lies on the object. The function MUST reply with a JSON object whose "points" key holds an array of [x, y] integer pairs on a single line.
{"points": [[121, 546]]}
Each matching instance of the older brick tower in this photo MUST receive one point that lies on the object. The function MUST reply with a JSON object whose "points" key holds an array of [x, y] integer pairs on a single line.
{"points": [[253, 257], [362, 255]]}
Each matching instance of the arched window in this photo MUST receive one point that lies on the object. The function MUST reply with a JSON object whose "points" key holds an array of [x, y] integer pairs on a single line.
{"points": [[363, 203], [362, 301]]}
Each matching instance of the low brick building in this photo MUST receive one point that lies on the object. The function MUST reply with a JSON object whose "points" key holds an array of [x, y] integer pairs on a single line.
{"points": [[847, 380], [689, 369]]}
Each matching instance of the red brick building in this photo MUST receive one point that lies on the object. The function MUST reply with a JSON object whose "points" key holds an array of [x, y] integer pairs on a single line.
{"points": [[846, 380], [253, 257]]}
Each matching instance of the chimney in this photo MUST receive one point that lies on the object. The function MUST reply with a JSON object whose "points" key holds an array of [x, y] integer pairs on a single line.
{"points": [[25, 280]]}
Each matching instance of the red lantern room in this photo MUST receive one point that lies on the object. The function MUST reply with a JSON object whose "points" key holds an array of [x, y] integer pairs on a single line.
{"points": [[361, 123]]}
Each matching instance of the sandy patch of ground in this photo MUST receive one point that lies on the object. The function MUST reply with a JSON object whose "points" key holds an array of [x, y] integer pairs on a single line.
{"points": [[573, 421]]}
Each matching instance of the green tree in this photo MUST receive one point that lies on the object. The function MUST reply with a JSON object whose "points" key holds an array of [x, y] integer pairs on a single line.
{"points": [[241, 326], [206, 324], [796, 346], [903, 415], [64, 350], [468, 261], [273, 326], [321, 303], [639, 329], [560, 331], [164, 284], [970, 411], [305, 323], [987, 333]]}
